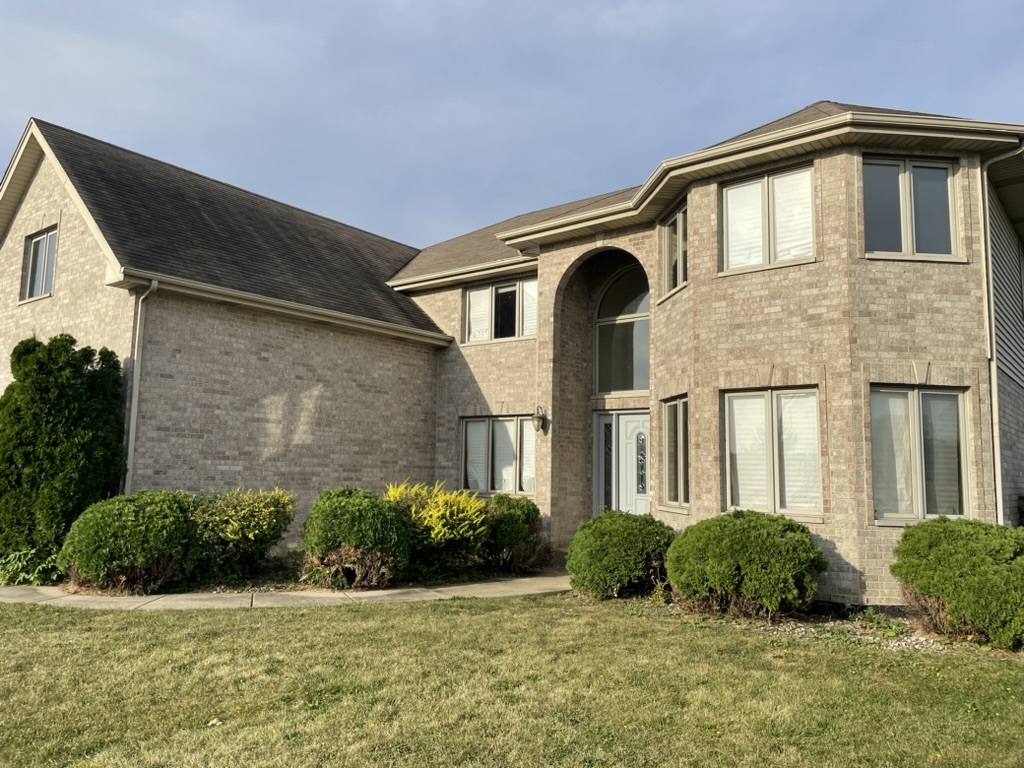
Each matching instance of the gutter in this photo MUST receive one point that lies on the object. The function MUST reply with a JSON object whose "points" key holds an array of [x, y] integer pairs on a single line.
{"points": [[133, 408], [464, 274], [280, 306], [990, 322]]}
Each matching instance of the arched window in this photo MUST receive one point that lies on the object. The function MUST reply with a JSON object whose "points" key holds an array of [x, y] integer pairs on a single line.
{"points": [[624, 334]]}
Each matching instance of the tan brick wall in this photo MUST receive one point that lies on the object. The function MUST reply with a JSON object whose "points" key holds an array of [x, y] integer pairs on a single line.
{"points": [[97, 316], [232, 396]]}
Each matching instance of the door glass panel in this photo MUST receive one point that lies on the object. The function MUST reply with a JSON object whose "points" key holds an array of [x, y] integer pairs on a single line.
{"points": [[943, 476], [641, 464], [608, 452]]}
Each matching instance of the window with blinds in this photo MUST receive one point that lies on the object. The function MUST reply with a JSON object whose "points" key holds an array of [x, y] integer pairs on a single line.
{"points": [[918, 462], [769, 220], [773, 452], [504, 311], [675, 455], [499, 455]]}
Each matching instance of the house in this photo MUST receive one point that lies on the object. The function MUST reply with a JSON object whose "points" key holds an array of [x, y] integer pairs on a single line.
{"points": [[821, 318]]}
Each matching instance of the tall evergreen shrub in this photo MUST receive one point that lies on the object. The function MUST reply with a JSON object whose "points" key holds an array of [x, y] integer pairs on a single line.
{"points": [[61, 433]]}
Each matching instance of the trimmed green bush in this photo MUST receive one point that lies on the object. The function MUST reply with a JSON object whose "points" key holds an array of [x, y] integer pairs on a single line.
{"points": [[515, 534], [61, 442], [746, 562], [238, 528], [132, 543], [354, 538], [449, 527], [966, 578], [617, 554]]}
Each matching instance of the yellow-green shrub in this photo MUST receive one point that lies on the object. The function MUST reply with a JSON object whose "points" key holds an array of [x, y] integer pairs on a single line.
{"points": [[449, 526], [236, 529]]}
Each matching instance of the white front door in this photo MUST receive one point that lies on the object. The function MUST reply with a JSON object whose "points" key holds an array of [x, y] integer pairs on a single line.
{"points": [[622, 453]]}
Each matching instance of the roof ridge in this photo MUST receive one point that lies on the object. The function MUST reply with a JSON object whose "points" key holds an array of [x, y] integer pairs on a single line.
{"points": [[225, 184]]}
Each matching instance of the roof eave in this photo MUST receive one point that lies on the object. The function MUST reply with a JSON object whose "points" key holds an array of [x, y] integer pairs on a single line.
{"points": [[464, 274], [838, 128], [128, 277]]}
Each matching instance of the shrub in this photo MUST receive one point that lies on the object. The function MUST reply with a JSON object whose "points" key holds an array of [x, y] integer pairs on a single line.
{"points": [[746, 562], [515, 534], [132, 543], [618, 553], [28, 566], [237, 529], [355, 538], [966, 577], [60, 441], [449, 527]]}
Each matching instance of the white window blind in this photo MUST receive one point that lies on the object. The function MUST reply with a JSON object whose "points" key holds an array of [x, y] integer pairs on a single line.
{"points": [[798, 452], [891, 454], [478, 310], [748, 451], [744, 228], [529, 307], [792, 207], [503, 456], [527, 456], [475, 458]]}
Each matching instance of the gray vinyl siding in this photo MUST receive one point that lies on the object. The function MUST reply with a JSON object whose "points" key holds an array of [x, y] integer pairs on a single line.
{"points": [[1009, 293]]}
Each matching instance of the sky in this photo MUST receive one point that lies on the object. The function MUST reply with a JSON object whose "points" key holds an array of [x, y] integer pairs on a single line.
{"points": [[424, 119]]}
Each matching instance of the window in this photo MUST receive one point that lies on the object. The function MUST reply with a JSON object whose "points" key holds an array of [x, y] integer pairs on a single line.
{"points": [[40, 255], [675, 456], [501, 311], [673, 248], [772, 451], [499, 454], [624, 334], [918, 464], [769, 220], [908, 207]]}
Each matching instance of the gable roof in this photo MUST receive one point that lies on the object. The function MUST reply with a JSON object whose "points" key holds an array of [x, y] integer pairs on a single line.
{"points": [[162, 220]]}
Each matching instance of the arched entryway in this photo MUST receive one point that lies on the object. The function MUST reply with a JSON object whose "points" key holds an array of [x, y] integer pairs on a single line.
{"points": [[600, 451]]}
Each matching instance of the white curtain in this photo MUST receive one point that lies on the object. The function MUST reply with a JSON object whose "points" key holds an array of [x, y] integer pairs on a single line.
{"points": [[476, 456], [529, 307], [748, 451], [503, 455], [793, 211], [478, 324], [799, 454], [744, 229], [891, 454], [527, 456]]}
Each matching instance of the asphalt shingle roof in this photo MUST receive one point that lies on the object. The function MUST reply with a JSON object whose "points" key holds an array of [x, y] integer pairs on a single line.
{"points": [[163, 219]]}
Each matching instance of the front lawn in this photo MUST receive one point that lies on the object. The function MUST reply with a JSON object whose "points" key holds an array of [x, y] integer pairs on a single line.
{"points": [[514, 682]]}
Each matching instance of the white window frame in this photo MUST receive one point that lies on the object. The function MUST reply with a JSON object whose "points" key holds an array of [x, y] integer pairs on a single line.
{"points": [[772, 454], [49, 258], [768, 248], [630, 319], [493, 290], [522, 424], [682, 447], [917, 454], [909, 249], [673, 279]]}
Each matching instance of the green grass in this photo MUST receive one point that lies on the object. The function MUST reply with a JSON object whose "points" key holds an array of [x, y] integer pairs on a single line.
{"points": [[524, 682]]}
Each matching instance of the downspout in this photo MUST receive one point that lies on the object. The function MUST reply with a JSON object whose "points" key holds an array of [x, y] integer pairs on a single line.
{"points": [[133, 408], [990, 323]]}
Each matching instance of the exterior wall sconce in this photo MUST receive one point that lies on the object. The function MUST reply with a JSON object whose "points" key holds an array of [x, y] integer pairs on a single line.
{"points": [[539, 419]]}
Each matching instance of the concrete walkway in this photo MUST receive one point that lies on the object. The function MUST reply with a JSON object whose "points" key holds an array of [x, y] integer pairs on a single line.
{"points": [[546, 583]]}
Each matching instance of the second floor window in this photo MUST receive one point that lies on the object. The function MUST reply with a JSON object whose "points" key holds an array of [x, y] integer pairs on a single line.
{"points": [[501, 311], [40, 257], [908, 207], [769, 220], [673, 247]]}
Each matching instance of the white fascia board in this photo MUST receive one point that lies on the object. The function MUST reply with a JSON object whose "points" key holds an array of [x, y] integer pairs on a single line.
{"points": [[132, 277], [464, 274], [848, 122]]}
